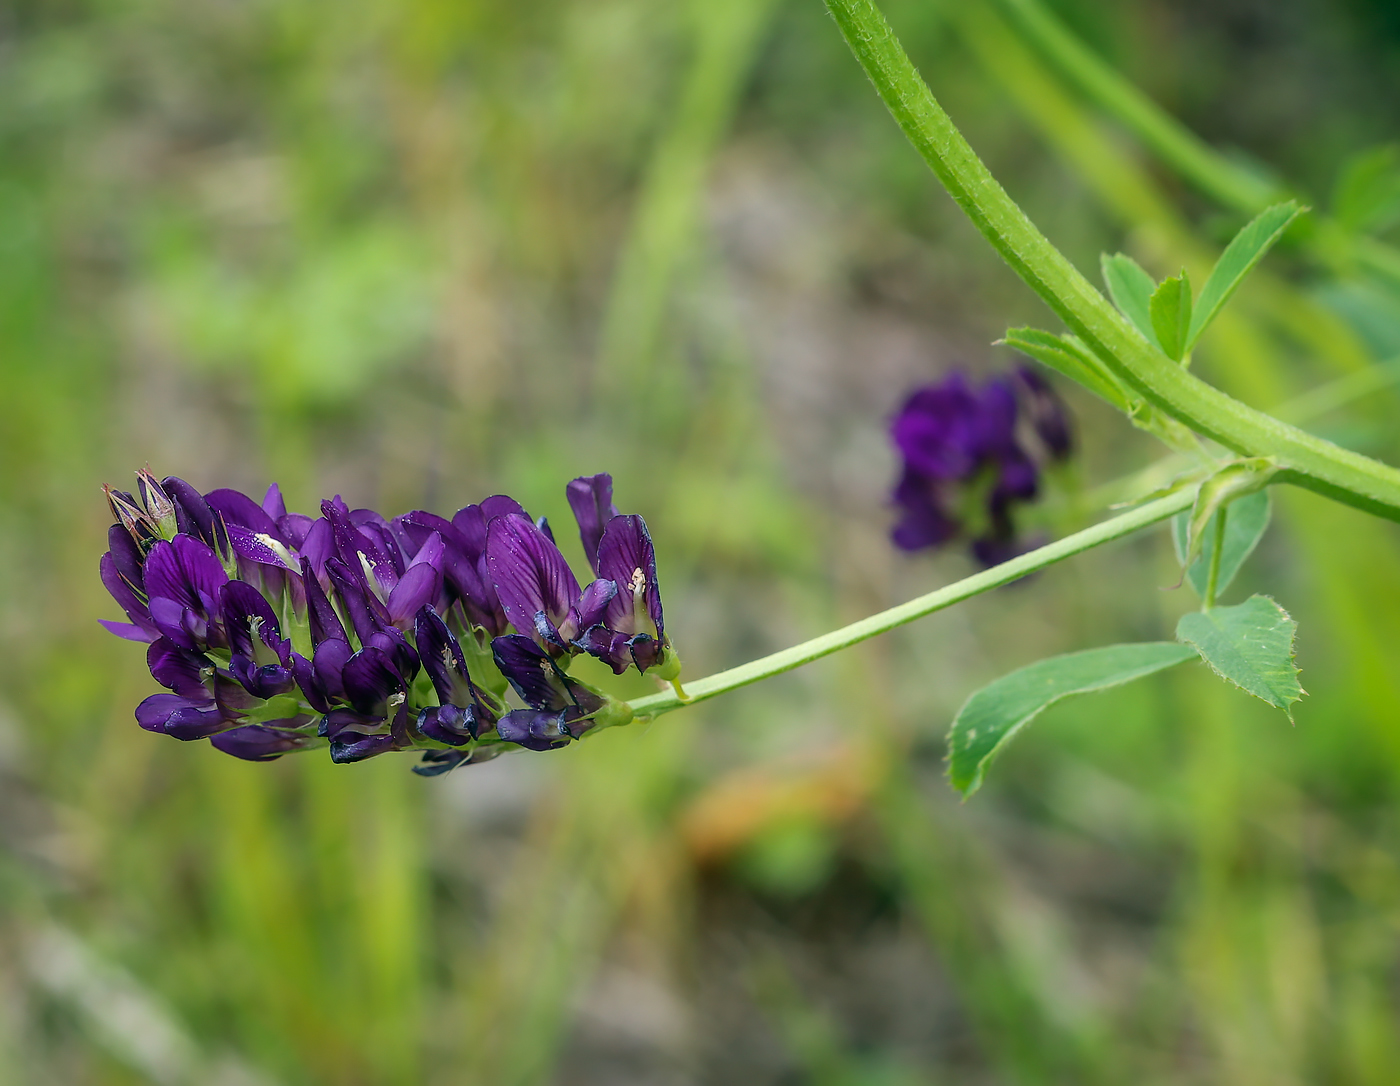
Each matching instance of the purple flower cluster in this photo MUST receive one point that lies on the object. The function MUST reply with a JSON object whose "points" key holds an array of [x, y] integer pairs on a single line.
{"points": [[276, 631], [968, 461]]}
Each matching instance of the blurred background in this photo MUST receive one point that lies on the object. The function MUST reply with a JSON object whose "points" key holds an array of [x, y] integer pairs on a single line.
{"points": [[424, 251]]}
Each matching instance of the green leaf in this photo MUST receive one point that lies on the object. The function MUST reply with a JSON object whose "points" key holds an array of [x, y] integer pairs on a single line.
{"points": [[1237, 261], [1251, 645], [993, 715], [1235, 480], [1170, 309], [1131, 289], [1069, 356], [1367, 193], [1244, 527]]}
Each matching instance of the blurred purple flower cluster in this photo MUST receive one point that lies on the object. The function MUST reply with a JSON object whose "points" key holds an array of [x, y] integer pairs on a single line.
{"points": [[277, 631], [970, 453]]}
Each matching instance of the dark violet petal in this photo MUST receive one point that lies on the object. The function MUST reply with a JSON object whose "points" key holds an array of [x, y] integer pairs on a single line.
{"points": [[530, 671], [126, 556], [363, 608], [320, 615], [614, 649], [318, 546], [437, 762], [169, 618], [192, 513], [329, 662], [394, 645], [180, 717], [542, 523], [418, 586], [590, 497], [501, 505], [627, 557], [255, 743], [309, 683], [370, 681], [470, 523], [443, 660], [450, 724], [924, 521], [273, 503], [127, 630], [533, 729], [528, 571], [361, 551], [592, 604], [261, 548], [178, 669], [338, 722], [938, 430], [646, 652], [237, 508], [186, 570], [246, 616], [233, 698], [356, 748], [293, 527], [126, 597]]}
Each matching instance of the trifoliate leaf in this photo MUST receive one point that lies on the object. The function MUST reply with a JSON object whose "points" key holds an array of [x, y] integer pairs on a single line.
{"points": [[1170, 310], [1237, 261], [991, 717], [1251, 645], [1131, 289], [1244, 526]]}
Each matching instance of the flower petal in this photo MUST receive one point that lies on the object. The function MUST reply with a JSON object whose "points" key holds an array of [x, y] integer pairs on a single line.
{"points": [[371, 681], [614, 649], [255, 743], [528, 571], [590, 497], [180, 717], [626, 556]]}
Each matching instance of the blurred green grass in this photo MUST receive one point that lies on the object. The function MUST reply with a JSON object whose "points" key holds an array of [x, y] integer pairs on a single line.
{"points": [[416, 253]]}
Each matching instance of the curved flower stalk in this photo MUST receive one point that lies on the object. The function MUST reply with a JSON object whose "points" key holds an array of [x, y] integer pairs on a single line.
{"points": [[274, 631]]}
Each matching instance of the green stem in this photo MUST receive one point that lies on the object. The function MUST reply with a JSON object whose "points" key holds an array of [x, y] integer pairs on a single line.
{"points": [[1306, 460], [1217, 547], [775, 664]]}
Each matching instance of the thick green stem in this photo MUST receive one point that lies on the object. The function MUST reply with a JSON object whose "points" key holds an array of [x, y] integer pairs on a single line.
{"points": [[1306, 460], [937, 600]]}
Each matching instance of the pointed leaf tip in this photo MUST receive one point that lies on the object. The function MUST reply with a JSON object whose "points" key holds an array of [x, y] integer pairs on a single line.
{"points": [[1170, 310], [1237, 261], [992, 717]]}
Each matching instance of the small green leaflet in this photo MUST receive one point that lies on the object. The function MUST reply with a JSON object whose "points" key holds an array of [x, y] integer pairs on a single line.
{"points": [[1131, 289], [1069, 356], [1170, 310], [1246, 524], [1237, 261], [1235, 480], [1251, 645], [993, 715], [1366, 196]]}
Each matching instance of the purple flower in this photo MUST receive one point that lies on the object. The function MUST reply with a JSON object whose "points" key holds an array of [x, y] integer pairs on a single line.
{"points": [[632, 628], [560, 708], [274, 631], [965, 464]]}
